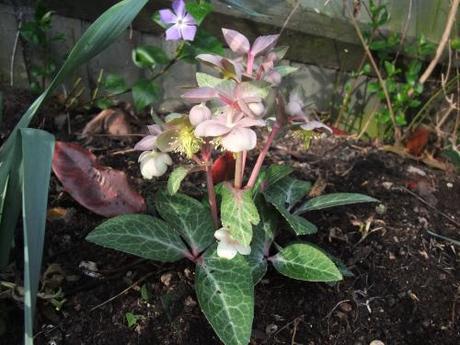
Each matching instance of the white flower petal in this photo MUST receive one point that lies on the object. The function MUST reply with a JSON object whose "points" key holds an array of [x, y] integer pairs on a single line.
{"points": [[222, 235], [240, 139], [226, 250], [154, 164], [242, 249]]}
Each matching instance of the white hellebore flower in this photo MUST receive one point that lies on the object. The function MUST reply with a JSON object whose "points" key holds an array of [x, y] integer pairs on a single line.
{"points": [[228, 247], [154, 163]]}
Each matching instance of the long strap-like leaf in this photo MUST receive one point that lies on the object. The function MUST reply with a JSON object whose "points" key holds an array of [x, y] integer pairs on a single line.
{"points": [[103, 32], [37, 153]]}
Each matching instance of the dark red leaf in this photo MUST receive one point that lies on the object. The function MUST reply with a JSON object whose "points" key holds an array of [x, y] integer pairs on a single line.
{"points": [[223, 168], [103, 190], [417, 141], [338, 132]]}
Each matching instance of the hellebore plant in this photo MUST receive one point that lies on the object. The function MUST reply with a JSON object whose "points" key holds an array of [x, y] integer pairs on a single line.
{"points": [[231, 235]]}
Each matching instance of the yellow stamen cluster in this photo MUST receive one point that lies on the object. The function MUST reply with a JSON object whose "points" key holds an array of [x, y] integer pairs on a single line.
{"points": [[187, 143]]}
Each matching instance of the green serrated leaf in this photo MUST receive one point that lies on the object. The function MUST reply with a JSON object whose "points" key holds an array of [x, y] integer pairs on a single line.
{"points": [[140, 235], [287, 192], [175, 179], [238, 213], [145, 92], [333, 200], [207, 80], [303, 261], [225, 293], [189, 217]]}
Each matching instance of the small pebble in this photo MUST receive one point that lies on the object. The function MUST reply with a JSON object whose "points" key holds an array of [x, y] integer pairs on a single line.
{"points": [[271, 328], [166, 279]]}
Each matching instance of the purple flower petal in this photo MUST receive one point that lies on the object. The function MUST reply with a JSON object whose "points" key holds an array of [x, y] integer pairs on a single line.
{"points": [[146, 144], [237, 42], [168, 17], [189, 20], [211, 128], [263, 43], [240, 139], [173, 33], [188, 32], [179, 8]]}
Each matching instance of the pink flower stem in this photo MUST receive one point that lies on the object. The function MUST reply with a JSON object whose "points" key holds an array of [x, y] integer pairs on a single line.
{"points": [[262, 155], [206, 155], [243, 165], [250, 64], [238, 170]]}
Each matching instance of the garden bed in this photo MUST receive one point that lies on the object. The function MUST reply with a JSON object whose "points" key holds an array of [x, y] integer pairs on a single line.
{"points": [[404, 289]]}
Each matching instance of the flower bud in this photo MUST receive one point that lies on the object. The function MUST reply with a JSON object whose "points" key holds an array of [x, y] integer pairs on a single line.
{"points": [[199, 113], [154, 164]]}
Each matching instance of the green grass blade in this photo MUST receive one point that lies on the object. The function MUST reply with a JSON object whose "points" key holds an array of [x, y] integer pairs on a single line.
{"points": [[11, 204], [103, 32], [37, 153]]}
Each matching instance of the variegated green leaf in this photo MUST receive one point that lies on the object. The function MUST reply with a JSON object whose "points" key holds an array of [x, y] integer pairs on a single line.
{"points": [[287, 192], [271, 175], [238, 213], [333, 200], [207, 80], [300, 225], [175, 179], [189, 217], [226, 296], [303, 261], [140, 235]]}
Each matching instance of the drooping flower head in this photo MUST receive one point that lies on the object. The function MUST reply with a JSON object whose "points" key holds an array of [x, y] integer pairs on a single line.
{"points": [[228, 247], [183, 25]]}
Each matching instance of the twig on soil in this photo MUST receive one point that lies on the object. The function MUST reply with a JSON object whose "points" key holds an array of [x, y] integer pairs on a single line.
{"points": [[295, 321], [445, 215], [137, 282], [335, 307]]}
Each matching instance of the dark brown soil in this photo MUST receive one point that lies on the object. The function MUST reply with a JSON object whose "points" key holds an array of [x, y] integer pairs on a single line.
{"points": [[405, 287]]}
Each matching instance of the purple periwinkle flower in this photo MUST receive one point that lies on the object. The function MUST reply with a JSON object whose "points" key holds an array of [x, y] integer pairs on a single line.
{"points": [[183, 24]]}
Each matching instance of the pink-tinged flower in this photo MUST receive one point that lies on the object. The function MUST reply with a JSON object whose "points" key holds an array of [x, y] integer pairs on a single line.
{"points": [[154, 163], [183, 24], [240, 45], [198, 114], [228, 247], [246, 97], [235, 133], [148, 143], [228, 68]]}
